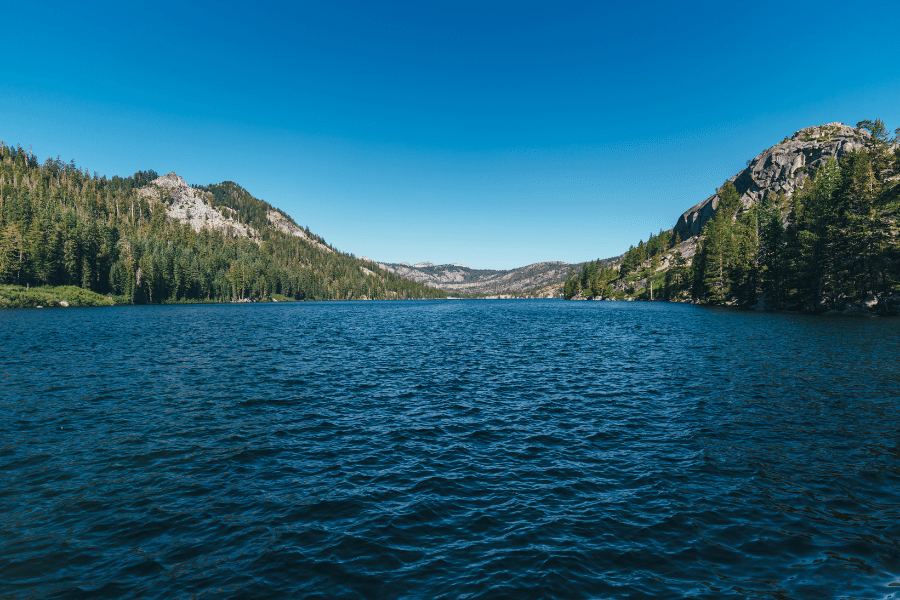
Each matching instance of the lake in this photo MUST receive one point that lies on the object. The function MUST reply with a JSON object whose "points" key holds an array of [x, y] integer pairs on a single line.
{"points": [[448, 449]]}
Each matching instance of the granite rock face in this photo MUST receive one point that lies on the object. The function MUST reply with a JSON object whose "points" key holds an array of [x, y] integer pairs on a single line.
{"points": [[285, 225], [193, 207], [782, 168]]}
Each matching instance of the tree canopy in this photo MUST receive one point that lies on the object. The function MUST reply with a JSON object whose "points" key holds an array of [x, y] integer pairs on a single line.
{"points": [[60, 226]]}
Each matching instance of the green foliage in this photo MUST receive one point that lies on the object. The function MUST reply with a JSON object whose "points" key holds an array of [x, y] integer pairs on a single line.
{"points": [[279, 298], [678, 277], [723, 251], [17, 296], [60, 226], [656, 245], [835, 241], [591, 281]]}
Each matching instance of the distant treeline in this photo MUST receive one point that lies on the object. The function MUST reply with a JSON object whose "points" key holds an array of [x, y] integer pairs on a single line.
{"points": [[599, 277], [61, 226]]}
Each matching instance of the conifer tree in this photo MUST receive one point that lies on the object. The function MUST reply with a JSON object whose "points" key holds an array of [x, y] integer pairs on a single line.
{"points": [[717, 252]]}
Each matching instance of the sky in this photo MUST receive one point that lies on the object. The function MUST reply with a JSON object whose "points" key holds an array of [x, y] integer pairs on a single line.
{"points": [[491, 134]]}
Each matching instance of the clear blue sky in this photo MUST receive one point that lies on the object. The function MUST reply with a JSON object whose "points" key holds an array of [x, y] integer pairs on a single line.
{"points": [[489, 134]]}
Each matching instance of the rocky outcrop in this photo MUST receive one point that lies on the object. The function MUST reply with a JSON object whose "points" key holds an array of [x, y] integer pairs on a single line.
{"points": [[285, 225], [193, 207], [874, 305], [553, 290], [780, 169]]}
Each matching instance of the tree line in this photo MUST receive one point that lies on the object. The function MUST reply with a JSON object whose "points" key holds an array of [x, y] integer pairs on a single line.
{"points": [[597, 278], [59, 225], [833, 242]]}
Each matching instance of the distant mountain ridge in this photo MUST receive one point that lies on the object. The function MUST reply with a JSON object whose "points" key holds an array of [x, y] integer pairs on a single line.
{"points": [[460, 279]]}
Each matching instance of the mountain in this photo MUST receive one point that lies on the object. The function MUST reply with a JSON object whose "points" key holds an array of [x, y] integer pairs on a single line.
{"points": [[539, 279], [812, 224], [194, 207], [782, 168], [149, 239], [201, 208]]}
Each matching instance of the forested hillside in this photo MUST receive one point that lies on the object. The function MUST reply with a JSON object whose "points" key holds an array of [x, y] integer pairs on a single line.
{"points": [[61, 226], [830, 243]]}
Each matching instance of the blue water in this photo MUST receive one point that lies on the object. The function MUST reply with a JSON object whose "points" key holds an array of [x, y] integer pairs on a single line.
{"points": [[448, 449]]}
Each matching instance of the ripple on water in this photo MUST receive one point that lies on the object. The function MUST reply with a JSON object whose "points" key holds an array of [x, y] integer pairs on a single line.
{"points": [[527, 449]]}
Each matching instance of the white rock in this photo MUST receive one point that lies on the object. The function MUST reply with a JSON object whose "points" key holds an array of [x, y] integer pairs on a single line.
{"points": [[194, 207], [281, 223]]}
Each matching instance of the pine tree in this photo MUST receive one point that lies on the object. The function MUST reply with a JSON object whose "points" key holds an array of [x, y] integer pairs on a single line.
{"points": [[744, 263], [772, 250], [717, 248], [713, 266]]}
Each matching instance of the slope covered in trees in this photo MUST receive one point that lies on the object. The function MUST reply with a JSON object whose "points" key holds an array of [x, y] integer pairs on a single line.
{"points": [[829, 244], [60, 226], [613, 278], [592, 280], [833, 243]]}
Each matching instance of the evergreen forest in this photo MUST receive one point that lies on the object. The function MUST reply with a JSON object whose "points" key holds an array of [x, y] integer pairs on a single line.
{"points": [[614, 278], [834, 242], [61, 226]]}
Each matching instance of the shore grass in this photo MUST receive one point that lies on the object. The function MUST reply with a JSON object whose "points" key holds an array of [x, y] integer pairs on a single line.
{"points": [[279, 298], [16, 296]]}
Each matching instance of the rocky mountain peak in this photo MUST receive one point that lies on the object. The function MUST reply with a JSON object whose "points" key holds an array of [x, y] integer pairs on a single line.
{"points": [[828, 131], [781, 168], [172, 180], [193, 206]]}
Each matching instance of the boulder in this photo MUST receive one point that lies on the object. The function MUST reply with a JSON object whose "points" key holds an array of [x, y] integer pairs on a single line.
{"points": [[856, 311], [870, 302], [892, 304], [761, 303]]}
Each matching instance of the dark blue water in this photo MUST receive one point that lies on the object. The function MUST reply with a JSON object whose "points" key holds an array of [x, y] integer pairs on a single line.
{"points": [[448, 449]]}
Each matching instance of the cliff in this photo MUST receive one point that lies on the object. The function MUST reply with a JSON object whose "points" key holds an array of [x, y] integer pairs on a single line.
{"points": [[782, 168], [193, 206], [812, 224]]}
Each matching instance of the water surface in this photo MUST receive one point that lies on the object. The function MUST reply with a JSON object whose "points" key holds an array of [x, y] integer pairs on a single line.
{"points": [[448, 449]]}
